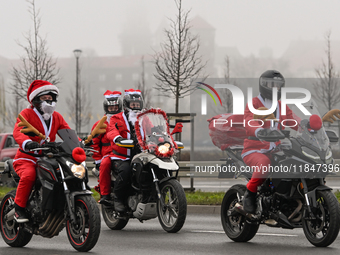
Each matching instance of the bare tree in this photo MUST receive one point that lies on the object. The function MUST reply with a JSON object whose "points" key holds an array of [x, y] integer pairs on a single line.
{"points": [[146, 92], [2, 105], [327, 88], [13, 108], [225, 94], [178, 62], [84, 106], [37, 64]]}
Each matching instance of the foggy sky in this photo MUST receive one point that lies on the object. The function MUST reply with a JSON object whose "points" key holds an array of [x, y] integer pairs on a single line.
{"points": [[96, 24]]}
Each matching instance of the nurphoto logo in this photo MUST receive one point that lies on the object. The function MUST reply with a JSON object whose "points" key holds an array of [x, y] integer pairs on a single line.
{"points": [[238, 99]]}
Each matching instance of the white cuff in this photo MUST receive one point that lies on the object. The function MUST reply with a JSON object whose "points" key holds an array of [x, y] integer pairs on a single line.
{"points": [[114, 139], [24, 144], [97, 161]]}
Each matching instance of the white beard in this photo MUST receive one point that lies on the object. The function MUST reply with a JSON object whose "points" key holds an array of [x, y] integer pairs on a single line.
{"points": [[47, 109], [108, 117], [268, 103], [133, 116]]}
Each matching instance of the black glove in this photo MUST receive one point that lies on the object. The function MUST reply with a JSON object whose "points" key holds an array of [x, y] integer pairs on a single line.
{"points": [[97, 166], [119, 139], [263, 132], [32, 145]]}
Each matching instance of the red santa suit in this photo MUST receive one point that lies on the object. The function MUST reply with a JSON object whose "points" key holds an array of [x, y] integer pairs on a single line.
{"points": [[119, 126], [102, 144], [24, 164], [256, 152]]}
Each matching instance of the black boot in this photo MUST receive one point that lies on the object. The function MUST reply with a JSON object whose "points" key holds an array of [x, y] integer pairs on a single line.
{"points": [[106, 200], [249, 202], [20, 214], [118, 204]]}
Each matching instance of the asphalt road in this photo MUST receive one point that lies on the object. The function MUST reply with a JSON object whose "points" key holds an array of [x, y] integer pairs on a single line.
{"points": [[201, 234]]}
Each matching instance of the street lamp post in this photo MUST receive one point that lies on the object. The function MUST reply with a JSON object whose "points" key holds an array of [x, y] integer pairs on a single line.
{"points": [[77, 54]]}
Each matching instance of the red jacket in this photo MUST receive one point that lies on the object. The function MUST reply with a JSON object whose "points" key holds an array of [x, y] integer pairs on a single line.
{"points": [[251, 146], [119, 126], [101, 144], [36, 120]]}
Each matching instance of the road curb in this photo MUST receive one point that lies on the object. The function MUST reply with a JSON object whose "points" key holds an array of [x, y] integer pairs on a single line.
{"points": [[204, 209]]}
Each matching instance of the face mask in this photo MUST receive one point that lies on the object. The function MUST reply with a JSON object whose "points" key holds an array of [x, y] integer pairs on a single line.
{"points": [[47, 108]]}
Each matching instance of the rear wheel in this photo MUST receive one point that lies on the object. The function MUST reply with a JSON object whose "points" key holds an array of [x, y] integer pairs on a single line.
{"points": [[110, 220], [84, 232], [236, 227], [172, 215], [323, 230], [12, 232]]}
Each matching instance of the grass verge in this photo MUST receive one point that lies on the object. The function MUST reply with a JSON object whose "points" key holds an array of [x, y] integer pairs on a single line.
{"points": [[193, 198]]}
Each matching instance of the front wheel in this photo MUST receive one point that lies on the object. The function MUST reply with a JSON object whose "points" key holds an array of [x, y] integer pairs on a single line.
{"points": [[324, 229], [172, 215], [83, 234], [12, 232], [236, 227]]}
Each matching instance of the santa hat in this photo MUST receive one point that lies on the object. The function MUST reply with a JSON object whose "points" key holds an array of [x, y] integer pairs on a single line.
{"points": [[39, 86], [112, 94], [132, 91]]}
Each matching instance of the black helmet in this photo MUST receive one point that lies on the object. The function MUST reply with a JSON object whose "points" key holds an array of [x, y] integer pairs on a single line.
{"points": [[132, 96], [268, 80], [112, 98], [37, 102]]}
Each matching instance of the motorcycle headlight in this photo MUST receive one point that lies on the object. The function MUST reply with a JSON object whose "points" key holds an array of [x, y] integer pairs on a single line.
{"points": [[77, 170], [163, 149], [310, 153]]}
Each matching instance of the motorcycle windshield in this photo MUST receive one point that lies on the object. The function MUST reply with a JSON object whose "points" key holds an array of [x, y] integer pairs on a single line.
{"points": [[154, 132], [70, 140], [317, 139]]}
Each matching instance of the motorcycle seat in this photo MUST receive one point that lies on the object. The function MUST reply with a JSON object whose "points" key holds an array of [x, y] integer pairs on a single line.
{"points": [[10, 170]]}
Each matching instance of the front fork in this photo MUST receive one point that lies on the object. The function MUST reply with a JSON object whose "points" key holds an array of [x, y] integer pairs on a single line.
{"points": [[159, 195], [305, 191], [67, 195]]}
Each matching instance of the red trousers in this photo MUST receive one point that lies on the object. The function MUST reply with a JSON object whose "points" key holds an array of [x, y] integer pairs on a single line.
{"points": [[105, 176], [27, 173], [257, 160]]}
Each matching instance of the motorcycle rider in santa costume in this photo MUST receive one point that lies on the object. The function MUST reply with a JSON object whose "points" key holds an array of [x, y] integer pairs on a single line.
{"points": [[41, 114], [122, 127], [256, 153], [112, 105]]}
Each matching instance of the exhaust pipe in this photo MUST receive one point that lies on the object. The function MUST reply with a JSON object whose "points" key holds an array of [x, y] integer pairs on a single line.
{"points": [[297, 209], [10, 215]]}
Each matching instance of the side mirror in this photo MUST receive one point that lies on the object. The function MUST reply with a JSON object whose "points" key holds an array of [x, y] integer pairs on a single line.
{"points": [[180, 145], [332, 136]]}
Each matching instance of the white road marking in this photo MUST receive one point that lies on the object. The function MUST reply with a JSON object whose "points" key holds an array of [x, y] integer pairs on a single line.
{"points": [[259, 234]]}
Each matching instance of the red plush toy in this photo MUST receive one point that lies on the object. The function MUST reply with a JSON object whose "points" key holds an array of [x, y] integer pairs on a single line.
{"points": [[177, 129]]}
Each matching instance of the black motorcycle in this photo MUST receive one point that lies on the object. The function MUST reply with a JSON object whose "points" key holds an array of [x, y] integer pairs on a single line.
{"points": [[60, 198], [154, 190], [294, 195]]}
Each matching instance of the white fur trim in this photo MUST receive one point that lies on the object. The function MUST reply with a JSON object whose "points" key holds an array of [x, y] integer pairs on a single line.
{"points": [[112, 95], [24, 144], [132, 92], [37, 91], [25, 159]]}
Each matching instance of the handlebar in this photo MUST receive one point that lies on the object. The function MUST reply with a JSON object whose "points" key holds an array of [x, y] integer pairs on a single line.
{"points": [[269, 135]]}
